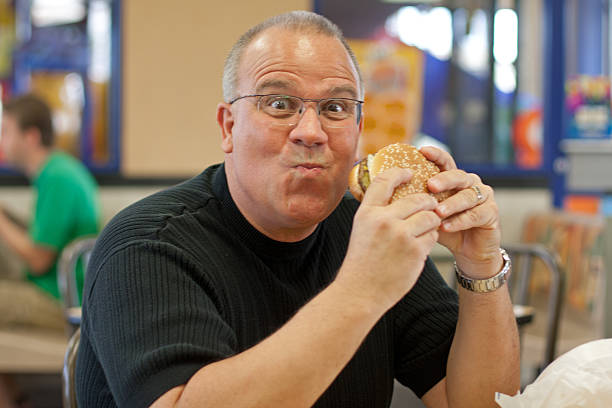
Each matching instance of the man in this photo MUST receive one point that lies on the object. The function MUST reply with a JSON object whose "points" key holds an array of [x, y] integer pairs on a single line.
{"points": [[66, 207], [258, 283]]}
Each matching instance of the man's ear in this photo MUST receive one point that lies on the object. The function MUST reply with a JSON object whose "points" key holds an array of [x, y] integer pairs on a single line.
{"points": [[225, 119], [360, 130], [33, 137], [361, 122]]}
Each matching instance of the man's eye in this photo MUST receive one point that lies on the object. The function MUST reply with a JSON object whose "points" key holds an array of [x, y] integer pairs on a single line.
{"points": [[280, 104], [335, 107]]}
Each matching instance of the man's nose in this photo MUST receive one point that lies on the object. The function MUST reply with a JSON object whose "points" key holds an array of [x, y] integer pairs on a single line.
{"points": [[309, 130]]}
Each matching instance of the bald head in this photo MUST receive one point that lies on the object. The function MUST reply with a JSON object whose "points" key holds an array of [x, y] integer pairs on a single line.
{"points": [[298, 21]]}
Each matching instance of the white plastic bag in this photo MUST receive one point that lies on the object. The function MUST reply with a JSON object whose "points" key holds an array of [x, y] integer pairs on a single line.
{"points": [[582, 377]]}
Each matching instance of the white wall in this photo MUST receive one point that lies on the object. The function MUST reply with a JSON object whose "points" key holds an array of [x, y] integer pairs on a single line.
{"points": [[172, 66]]}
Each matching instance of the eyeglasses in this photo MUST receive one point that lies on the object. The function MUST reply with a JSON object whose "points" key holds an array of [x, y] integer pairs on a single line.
{"points": [[287, 110]]}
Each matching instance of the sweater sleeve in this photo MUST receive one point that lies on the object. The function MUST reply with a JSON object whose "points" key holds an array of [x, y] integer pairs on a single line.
{"points": [[425, 321], [155, 322]]}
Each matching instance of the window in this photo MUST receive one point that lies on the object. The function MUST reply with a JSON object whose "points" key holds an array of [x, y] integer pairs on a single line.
{"points": [[68, 52], [471, 93]]}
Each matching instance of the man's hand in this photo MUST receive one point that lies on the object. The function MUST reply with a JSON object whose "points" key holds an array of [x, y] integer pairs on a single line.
{"points": [[38, 258], [389, 242], [470, 228]]}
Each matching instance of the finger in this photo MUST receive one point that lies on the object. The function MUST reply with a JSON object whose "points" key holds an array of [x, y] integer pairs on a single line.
{"points": [[455, 179], [421, 223], [429, 238], [478, 217], [463, 200], [410, 204], [443, 159], [381, 188]]}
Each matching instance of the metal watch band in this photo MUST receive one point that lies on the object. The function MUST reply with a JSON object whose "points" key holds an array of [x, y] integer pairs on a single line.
{"points": [[485, 285]]}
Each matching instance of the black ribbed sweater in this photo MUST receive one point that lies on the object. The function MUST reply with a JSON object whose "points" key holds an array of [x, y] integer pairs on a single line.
{"points": [[181, 279]]}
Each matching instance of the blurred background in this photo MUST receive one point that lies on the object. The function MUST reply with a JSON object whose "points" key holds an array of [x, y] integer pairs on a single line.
{"points": [[517, 90]]}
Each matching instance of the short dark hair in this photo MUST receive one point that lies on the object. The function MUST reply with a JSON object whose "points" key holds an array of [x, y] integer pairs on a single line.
{"points": [[31, 111]]}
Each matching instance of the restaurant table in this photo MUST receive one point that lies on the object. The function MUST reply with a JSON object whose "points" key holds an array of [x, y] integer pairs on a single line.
{"points": [[31, 351]]}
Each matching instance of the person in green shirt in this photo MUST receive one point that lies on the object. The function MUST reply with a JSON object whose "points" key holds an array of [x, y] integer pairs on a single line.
{"points": [[66, 195], [66, 206]]}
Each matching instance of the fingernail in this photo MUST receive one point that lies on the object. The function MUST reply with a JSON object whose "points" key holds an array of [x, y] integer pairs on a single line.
{"points": [[442, 209]]}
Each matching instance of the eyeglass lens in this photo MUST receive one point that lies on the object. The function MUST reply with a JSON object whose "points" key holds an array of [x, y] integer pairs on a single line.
{"points": [[287, 110]]}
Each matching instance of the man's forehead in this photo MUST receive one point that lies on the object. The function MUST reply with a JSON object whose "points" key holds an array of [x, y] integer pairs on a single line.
{"points": [[288, 85], [278, 45]]}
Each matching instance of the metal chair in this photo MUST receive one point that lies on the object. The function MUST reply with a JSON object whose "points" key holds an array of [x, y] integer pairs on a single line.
{"points": [[79, 249], [68, 372], [523, 257]]}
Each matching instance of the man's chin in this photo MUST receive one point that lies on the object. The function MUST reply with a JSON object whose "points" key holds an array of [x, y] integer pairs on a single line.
{"points": [[308, 211]]}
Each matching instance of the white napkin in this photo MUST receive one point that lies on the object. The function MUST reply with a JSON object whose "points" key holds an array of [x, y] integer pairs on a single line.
{"points": [[582, 377]]}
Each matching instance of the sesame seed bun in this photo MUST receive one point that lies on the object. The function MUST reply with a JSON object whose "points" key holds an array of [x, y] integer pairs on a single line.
{"points": [[395, 155]]}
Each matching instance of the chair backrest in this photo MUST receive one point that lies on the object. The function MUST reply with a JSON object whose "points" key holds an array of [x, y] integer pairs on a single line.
{"points": [[523, 257], [68, 372], [79, 249]]}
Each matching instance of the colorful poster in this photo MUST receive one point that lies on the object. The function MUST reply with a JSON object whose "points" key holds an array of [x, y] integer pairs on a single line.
{"points": [[393, 76], [588, 102], [7, 37]]}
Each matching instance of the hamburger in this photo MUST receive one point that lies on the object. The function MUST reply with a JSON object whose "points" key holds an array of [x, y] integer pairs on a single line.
{"points": [[395, 155]]}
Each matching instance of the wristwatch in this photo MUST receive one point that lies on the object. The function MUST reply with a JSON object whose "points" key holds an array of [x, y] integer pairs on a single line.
{"points": [[486, 285]]}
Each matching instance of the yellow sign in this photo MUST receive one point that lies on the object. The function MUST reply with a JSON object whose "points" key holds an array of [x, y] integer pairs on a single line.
{"points": [[393, 76]]}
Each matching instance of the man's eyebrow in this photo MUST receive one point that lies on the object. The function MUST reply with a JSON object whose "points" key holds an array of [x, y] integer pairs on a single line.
{"points": [[344, 89], [284, 85], [274, 84]]}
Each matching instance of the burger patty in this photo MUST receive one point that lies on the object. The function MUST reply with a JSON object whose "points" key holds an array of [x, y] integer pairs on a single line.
{"points": [[364, 174]]}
